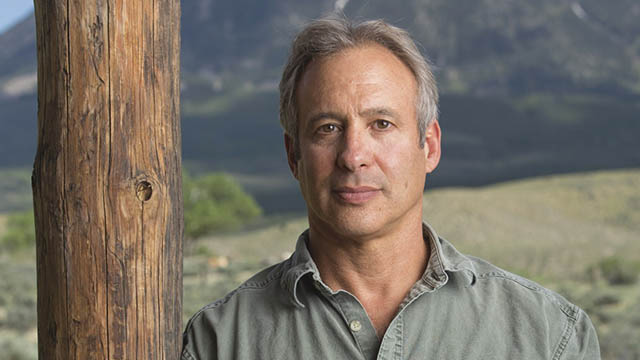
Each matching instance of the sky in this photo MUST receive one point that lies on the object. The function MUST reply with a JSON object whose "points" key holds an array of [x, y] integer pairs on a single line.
{"points": [[12, 11]]}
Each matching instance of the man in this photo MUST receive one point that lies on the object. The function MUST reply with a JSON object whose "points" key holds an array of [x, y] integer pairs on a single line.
{"points": [[369, 280]]}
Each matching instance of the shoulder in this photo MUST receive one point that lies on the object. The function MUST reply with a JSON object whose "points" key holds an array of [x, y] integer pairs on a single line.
{"points": [[489, 280], [528, 307], [261, 282], [234, 312], [497, 282]]}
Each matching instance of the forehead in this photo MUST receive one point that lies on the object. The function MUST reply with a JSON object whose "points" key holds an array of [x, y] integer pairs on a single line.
{"points": [[363, 73]]}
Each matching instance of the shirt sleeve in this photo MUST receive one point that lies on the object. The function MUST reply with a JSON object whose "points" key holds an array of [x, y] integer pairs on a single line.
{"points": [[583, 345], [199, 341]]}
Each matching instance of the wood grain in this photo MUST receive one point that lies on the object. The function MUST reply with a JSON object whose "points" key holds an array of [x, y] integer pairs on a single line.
{"points": [[107, 179]]}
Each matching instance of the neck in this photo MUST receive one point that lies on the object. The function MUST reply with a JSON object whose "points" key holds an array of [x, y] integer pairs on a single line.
{"points": [[379, 271]]}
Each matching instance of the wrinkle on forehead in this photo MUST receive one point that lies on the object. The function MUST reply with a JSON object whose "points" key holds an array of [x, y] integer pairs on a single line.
{"points": [[358, 84]]}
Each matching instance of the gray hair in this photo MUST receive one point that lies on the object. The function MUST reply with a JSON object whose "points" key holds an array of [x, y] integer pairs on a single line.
{"points": [[328, 36]]}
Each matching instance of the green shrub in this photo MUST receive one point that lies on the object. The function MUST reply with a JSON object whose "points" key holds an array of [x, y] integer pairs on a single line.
{"points": [[20, 232], [616, 271], [606, 299], [215, 202]]}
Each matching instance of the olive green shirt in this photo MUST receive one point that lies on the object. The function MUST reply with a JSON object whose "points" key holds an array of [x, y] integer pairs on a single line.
{"points": [[461, 308]]}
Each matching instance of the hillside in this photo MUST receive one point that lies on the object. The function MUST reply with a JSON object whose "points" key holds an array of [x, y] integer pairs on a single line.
{"points": [[550, 227]]}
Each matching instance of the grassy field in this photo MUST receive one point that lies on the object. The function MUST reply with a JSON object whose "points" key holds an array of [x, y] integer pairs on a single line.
{"points": [[577, 234], [552, 227]]}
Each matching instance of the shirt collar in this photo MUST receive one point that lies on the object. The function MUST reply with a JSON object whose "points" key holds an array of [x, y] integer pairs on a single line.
{"points": [[444, 259], [298, 265]]}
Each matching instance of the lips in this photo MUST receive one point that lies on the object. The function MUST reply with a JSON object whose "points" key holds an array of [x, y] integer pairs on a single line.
{"points": [[356, 195]]}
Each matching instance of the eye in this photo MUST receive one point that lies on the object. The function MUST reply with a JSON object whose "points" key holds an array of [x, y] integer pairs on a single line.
{"points": [[382, 124], [328, 128]]}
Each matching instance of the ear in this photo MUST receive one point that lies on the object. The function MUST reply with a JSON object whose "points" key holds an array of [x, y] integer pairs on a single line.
{"points": [[432, 149], [291, 155]]}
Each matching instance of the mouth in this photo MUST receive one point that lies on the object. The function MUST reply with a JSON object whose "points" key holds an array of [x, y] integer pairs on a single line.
{"points": [[356, 195]]}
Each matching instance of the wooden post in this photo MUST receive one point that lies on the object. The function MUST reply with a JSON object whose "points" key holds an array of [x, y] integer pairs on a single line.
{"points": [[107, 179]]}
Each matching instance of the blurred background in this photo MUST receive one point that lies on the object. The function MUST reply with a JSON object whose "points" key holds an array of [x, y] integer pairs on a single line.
{"points": [[540, 174]]}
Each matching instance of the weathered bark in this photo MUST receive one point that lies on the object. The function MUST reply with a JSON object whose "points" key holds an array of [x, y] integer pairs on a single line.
{"points": [[107, 179]]}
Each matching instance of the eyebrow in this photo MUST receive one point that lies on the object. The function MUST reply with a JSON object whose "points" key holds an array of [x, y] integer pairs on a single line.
{"points": [[326, 115], [378, 111], [366, 113]]}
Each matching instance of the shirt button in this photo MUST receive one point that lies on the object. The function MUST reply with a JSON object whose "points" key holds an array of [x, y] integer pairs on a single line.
{"points": [[355, 326]]}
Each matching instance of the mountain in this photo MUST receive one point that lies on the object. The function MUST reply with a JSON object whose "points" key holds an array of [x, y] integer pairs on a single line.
{"points": [[528, 88], [478, 46]]}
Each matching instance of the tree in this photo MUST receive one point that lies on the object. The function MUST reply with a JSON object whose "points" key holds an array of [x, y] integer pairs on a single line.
{"points": [[215, 202]]}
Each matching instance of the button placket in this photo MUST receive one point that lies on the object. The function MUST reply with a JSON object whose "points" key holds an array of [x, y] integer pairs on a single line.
{"points": [[358, 323], [392, 343]]}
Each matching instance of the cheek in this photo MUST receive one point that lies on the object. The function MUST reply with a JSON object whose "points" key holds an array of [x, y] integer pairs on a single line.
{"points": [[315, 171], [320, 160], [392, 156], [403, 164]]}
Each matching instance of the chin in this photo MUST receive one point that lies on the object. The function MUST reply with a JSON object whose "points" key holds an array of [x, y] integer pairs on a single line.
{"points": [[354, 224]]}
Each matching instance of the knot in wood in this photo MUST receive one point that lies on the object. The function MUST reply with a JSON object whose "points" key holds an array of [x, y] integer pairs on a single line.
{"points": [[144, 190]]}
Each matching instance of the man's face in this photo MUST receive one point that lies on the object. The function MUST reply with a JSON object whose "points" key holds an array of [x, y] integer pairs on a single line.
{"points": [[361, 169]]}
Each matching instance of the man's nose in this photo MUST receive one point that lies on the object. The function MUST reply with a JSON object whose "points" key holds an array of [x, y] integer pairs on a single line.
{"points": [[355, 149]]}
